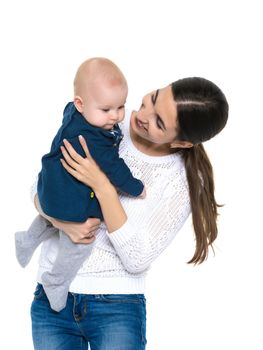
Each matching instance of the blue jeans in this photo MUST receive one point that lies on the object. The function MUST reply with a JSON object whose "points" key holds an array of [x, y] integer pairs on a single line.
{"points": [[103, 322]]}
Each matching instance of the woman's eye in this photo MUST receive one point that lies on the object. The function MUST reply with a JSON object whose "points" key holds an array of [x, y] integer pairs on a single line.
{"points": [[142, 106], [158, 124]]}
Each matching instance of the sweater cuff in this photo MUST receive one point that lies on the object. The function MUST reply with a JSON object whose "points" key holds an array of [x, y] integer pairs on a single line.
{"points": [[122, 236]]}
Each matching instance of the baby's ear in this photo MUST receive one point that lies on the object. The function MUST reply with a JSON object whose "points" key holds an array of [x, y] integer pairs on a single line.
{"points": [[78, 103]]}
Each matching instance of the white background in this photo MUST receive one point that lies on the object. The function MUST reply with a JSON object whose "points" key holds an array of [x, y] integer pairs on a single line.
{"points": [[217, 305]]}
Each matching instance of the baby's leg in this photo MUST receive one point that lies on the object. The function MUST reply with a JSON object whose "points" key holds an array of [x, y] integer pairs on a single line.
{"points": [[69, 260], [27, 241]]}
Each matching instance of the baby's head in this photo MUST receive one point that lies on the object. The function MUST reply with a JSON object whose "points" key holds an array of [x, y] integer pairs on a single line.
{"points": [[100, 92]]}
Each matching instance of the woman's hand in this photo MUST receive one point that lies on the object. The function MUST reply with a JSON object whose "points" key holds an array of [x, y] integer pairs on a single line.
{"points": [[79, 232], [83, 169], [87, 171]]}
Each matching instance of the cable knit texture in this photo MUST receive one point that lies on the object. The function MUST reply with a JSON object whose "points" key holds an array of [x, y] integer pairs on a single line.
{"points": [[119, 261]]}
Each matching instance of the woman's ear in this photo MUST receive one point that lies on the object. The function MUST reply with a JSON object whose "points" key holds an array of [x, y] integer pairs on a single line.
{"points": [[181, 144], [78, 103]]}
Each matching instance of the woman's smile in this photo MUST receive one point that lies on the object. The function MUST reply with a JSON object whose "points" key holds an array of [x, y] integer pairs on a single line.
{"points": [[139, 124]]}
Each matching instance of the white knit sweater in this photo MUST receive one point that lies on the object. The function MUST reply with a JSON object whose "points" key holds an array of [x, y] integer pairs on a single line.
{"points": [[119, 261]]}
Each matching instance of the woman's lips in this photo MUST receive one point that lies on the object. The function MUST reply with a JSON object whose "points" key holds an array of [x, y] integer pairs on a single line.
{"points": [[140, 124]]}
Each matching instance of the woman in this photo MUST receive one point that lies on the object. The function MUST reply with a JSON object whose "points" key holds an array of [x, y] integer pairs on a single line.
{"points": [[162, 145]]}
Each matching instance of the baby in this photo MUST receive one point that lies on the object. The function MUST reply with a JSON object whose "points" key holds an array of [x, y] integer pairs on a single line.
{"points": [[100, 92]]}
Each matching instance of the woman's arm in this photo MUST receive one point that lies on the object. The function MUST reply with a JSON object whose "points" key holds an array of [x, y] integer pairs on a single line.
{"points": [[87, 171], [150, 229]]}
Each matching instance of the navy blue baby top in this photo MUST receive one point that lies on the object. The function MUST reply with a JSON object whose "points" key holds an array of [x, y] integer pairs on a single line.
{"points": [[61, 195]]}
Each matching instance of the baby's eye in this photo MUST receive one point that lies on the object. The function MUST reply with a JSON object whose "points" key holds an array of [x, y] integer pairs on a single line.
{"points": [[105, 110], [121, 107]]}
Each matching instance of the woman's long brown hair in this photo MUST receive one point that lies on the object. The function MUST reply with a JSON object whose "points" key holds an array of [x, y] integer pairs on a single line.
{"points": [[203, 204], [202, 113]]}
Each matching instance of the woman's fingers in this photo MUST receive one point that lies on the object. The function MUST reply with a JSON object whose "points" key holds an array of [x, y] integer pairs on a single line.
{"points": [[89, 240], [68, 159], [73, 154], [70, 170], [91, 222], [88, 230], [83, 169], [84, 232], [84, 146]]}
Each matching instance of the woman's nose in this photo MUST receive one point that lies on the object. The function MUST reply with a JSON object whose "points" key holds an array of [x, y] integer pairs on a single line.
{"points": [[142, 115]]}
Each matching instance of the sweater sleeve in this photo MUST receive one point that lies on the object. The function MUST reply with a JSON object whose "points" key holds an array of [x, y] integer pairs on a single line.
{"points": [[141, 240]]}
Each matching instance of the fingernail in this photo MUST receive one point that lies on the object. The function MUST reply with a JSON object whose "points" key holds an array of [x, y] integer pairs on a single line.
{"points": [[80, 137]]}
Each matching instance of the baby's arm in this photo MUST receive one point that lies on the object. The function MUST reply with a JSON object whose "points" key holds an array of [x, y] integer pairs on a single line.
{"points": [[119, 173]]}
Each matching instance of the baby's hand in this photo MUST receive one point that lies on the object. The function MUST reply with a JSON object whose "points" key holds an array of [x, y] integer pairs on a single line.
{"points": [[143, 194]]}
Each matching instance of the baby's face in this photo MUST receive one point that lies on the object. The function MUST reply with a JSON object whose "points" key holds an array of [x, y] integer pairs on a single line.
{"points": [[103, 104]]}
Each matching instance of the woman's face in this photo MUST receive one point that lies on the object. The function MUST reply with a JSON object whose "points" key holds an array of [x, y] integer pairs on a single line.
{"points": [[155, 121]]}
